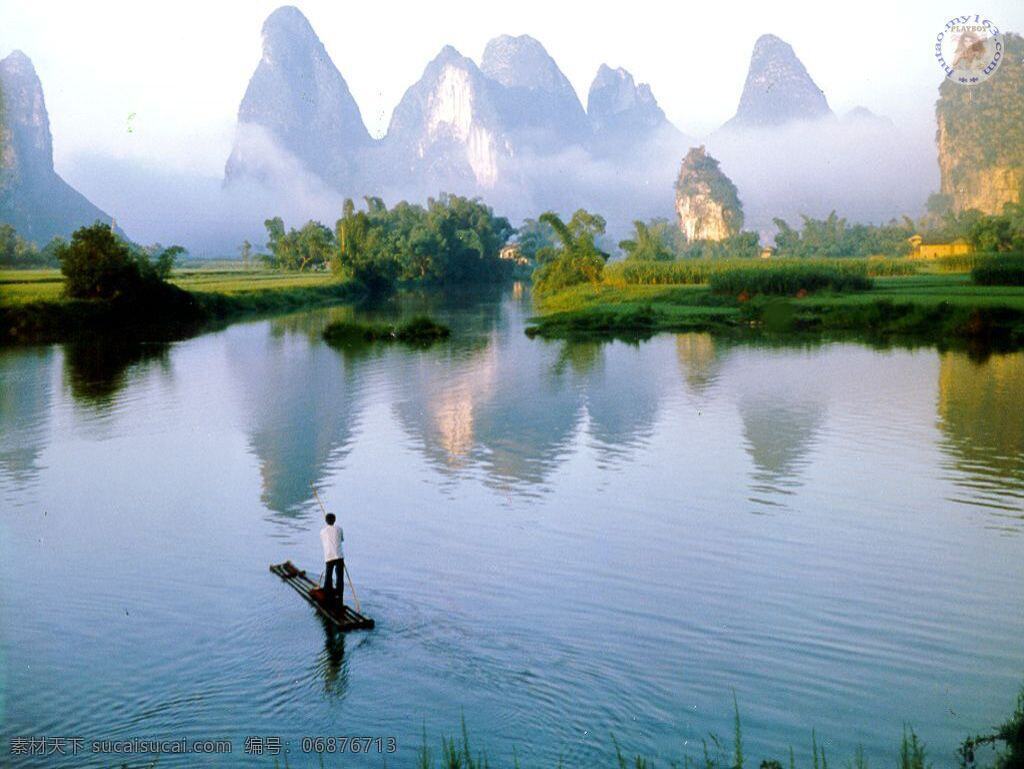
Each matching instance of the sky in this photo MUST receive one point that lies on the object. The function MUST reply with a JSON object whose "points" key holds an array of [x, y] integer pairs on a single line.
{"points": [[159, 83]]}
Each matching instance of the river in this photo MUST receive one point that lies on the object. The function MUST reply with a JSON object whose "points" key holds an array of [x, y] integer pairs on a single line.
{"points": [[560, 542]]}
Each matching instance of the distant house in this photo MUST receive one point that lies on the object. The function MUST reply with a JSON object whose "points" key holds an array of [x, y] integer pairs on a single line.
{"points": [[768, 252], [511, 253], [935, 249]]}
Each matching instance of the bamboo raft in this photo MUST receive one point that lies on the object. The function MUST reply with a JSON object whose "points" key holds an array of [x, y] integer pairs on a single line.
{"points": [[341, 616]]}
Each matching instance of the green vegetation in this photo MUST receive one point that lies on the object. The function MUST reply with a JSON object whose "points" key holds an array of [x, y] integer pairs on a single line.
{"points": [[943, 308], [452, 240], [310, 247], [108, 285], [833, 238], [97, 264], [742, 245], [575, 258], [790, 279], [702, 271], [17, 252], [1000, 233], [999, 271], [1010, 734], [983, 121], [958, 263], [654, 241], [1006, 742], [111, 287], [420, 330]]}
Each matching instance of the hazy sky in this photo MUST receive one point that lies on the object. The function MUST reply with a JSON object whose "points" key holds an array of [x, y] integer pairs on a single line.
{"points": [[174, 73]]}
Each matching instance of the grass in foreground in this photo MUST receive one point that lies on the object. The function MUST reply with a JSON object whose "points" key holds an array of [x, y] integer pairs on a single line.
{"points": [[1004, 748]]}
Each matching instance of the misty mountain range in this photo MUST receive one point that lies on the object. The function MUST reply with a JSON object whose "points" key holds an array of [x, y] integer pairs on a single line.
{"points": [[510, 130]]}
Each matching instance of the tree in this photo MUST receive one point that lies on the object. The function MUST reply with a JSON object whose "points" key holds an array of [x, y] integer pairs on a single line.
{"points": [[246, 251], [15, 251], [651, 241], [1004, 232], [97, 264], [532, 236], [451, 240], [165, 259], [576, 259], [834, 237], [311, 247]]}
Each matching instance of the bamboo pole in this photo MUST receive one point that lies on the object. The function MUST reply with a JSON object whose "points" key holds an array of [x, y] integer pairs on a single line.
{"points": [[344, 565]]}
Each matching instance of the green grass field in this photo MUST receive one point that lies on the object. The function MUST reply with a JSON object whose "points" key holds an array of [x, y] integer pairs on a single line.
{"points": [[33, 308], [23, 286], [937, 305]]}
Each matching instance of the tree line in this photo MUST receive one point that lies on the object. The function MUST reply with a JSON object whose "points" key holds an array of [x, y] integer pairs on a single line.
{"points": [[450, 240], [17, 252]]}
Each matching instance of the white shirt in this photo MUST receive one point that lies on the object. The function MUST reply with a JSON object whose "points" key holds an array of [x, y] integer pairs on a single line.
{"points": [[331, 538]]}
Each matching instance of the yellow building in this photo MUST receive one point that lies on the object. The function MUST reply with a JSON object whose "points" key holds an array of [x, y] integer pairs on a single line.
{"points": [[934, 249]]}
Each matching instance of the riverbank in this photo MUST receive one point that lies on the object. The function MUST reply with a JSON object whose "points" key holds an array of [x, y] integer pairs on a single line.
{"points": [[939, 308], [34, 311]]}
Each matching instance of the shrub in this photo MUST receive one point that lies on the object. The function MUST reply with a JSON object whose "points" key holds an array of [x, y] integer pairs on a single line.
{"points": [[97, 264], [420, 330], [999, 271], [566, 270]]}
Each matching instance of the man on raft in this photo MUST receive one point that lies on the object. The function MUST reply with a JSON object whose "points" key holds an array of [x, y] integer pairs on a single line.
{"points": [[331, 538]]}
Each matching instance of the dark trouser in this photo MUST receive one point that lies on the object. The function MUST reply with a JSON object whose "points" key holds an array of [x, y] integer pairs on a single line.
{"points": [[337, 586]]}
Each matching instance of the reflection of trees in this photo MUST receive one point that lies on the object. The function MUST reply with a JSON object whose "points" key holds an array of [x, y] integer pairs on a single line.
{"points": [[25, 395], [512, 409], [493, 408], [778, 438], [699, 361], [624, 395], [782, 410], [303, 400], [981, 415], [579, 357], [98, 367]]}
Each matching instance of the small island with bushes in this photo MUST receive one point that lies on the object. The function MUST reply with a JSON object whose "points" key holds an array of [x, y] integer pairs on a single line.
{"points": [[419, 331]]}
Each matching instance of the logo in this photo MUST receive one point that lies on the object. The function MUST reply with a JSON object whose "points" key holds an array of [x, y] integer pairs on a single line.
{"points": [[969, 49]]}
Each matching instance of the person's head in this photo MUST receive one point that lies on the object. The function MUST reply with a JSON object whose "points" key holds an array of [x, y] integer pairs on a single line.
{"points": [[330, 519]]}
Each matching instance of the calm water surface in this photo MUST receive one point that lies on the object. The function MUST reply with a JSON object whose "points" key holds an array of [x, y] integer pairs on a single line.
{"points": [[558, 541]]}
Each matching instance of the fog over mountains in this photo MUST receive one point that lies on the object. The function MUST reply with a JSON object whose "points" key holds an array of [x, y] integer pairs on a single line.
{"points": [[511, 129]]}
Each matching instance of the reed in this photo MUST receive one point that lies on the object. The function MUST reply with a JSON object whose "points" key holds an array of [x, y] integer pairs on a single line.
{"points": [[688, 272], [960, 263], [791, 279], [1006, 740]]}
